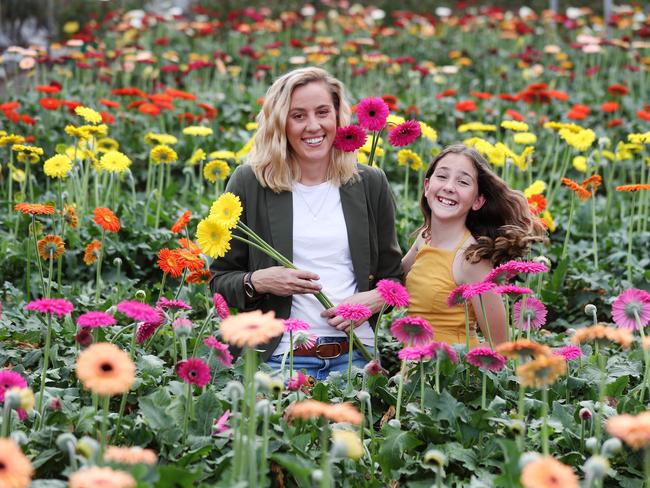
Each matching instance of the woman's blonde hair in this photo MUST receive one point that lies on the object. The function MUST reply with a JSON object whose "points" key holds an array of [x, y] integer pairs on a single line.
{"points": [[271, 157], [504, 227]]}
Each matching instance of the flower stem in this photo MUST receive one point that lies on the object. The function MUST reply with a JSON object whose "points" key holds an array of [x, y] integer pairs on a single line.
{"points": [[594, 232], [6, 420], [422, 386], [186, 416], [400, 389], [545, 420], [326, 480], [484, 391], [159, 192], [98, 277], [630, 238], [350, 351], [376, 339], [485, 322], [105, 399], [568, 228], [46, 362]]}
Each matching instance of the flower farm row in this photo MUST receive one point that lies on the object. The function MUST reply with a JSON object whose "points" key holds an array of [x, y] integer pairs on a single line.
{"points": [[115, 360]]}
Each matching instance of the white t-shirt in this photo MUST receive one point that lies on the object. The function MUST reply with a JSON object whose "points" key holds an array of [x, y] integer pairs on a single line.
{"points": [[320, 245]]}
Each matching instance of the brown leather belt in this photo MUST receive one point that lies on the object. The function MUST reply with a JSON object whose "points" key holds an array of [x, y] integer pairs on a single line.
{"points": [[326, 350]]}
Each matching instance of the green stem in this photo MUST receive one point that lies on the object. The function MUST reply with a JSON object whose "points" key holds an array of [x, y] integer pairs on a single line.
{"points": [[251, 437], [437, 383], [105, 399], [594, 232], [350, 351], [376, 338], [159, 193], [98, 277], [598, 426], [201, 329], [124, 395], [646, 466], [486, 324], [326, 480], [400, 390], [46, 362], [186, 417], [545, 421], [290, 354], [484, 391], [630, 239], [265, 447], [568, 229], [6, 420], [467, 344]]}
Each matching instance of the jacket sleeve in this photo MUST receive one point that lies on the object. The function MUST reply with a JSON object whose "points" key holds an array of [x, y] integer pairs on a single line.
{"points": [[228, 272], [389, 264]]}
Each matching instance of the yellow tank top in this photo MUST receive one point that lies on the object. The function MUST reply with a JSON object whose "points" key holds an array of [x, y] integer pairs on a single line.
{"points": [[429, 282]]}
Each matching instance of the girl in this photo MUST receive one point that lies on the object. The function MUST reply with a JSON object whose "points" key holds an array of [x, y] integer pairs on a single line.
{"points": [[472, 222]]}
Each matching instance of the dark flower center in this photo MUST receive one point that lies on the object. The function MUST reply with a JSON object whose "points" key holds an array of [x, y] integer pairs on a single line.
{"points": [[106, 367], [2, 466], [192, 373], [372, 113]]}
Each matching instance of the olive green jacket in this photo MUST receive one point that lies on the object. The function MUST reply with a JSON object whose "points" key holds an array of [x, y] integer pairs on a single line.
{"points": [[369, 211]]}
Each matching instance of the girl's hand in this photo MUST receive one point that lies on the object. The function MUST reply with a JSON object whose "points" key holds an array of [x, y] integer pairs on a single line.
{"points": [[371, 299], [281, 281]]}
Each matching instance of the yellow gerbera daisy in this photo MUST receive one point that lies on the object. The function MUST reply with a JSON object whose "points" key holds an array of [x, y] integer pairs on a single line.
{"points": [[213, 237], [94, 130], [198, 156], [525, 138], [73, 131], [197, 130], [535, 188], [57, 166], [428, 132], [217, 169], [406, 156], [580, 163], [246, 149], [88, 114], [115, 162], [251, 126], [514, 125], [227, 209], [163, 154], [7, 139], [476, 126], [579, 140], [107, 144], [548, 220], [167, 139], [221, 155], [393, 120]]}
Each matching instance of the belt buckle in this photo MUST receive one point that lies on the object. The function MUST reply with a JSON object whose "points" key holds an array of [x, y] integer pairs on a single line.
{"points": [[328, 344]]}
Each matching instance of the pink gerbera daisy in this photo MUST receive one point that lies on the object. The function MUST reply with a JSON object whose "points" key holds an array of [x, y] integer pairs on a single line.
{"points": [[304, 340], [405, 133], [57, 306], [221, 306], [568, 352], [294, 325], [445, 349], [221, 424], [220, 350], [10, 379], [414, 331], [477, 289], [350, 138], [139, 312], [511, 269], [631, 305], [512, 290], [146, 330], [95, 319], [166, 303], [194, 371], [485, 358], [372, 113], [354, 312], [414, 353], [393, 293], [456, 296], [297, 381], [534, 310]]}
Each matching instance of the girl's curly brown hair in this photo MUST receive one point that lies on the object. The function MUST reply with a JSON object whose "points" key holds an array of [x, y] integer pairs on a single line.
{"points": [[504, 227]]}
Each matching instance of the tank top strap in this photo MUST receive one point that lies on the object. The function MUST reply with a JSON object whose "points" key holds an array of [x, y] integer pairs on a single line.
{"points": [[461, 242]]}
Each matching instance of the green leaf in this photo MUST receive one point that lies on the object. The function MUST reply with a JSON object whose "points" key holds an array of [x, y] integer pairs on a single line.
{"points": [[300, 468], [617, 388], [175, 477], [396, 443], [153, 409]]}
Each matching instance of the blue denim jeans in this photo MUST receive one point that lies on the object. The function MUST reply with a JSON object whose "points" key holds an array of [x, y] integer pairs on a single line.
{"points": [[321, 368]]}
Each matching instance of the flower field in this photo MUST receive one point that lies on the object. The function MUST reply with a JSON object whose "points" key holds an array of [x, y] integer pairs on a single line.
{"points": [[115, 147]]}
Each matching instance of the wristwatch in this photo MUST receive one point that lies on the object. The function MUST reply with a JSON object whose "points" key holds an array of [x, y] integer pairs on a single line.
{"points": [[249, 288]]}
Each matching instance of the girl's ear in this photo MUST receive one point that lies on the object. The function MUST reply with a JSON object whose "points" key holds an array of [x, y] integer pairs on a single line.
{"points": [[478, 203], [426, 184]]}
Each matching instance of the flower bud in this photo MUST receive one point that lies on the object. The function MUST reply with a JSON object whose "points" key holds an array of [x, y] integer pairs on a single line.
{"points": [[117, 262], [363, 396], [591, 444], [141, 295], [84, 338], [63, 441], [55, 404], [611, 446], [87, 447], [373, 368], [517, 427], [19, 437], [263, 407], [596, 467], [394, 423], [543, 260], [346, 443], [263, 381], [317, 476], [182, 327], [336, 377], [585, 414], [528, 457], [434, 458], [234, 390], [590, 309], [12, 398], [276, 387]]}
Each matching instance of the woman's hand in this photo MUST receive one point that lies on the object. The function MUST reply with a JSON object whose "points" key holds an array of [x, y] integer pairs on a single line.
{"points": [[371, 299], [281, 281]]}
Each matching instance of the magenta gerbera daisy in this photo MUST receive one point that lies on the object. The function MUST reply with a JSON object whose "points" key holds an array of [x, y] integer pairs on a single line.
{"points": [[56, 306], [349, 138], [139, 312], [631, 309], [166, 303], [294, 325], [393, 293], [568, 352], [485, 358], [510, 269], [444, 349], [95, 319], [146, 330], [221, 306], [534, 310], [477, 289], [297, 381], [220, 351], [194, 371], [414, 331], [221, 424], [354, 312], [512, 290], [10, 379], [415, 353], [405, 133], [456, 296], [372, 113]]}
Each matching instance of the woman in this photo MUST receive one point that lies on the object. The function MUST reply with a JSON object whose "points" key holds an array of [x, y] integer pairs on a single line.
{"points": [[333, 218]]}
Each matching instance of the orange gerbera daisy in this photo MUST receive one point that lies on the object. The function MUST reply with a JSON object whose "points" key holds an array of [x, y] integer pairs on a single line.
{"points": [[523, 349], [603, 334], [595, 181], [309, 409], [541, 371], [632, 187], [182, 221], [92, 252], [15, 469], [191, 246], [51, 246], [106, 219], [581, 191], [169, 261], [250, 329], [198, 277], [35, 208], [547, 472], [70, 215], [105, 369], [189, 260], [634, 430], [537, 203]]}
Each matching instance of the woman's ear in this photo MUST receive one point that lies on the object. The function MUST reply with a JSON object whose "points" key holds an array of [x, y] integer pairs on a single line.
{"points": [[478, 203]]}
